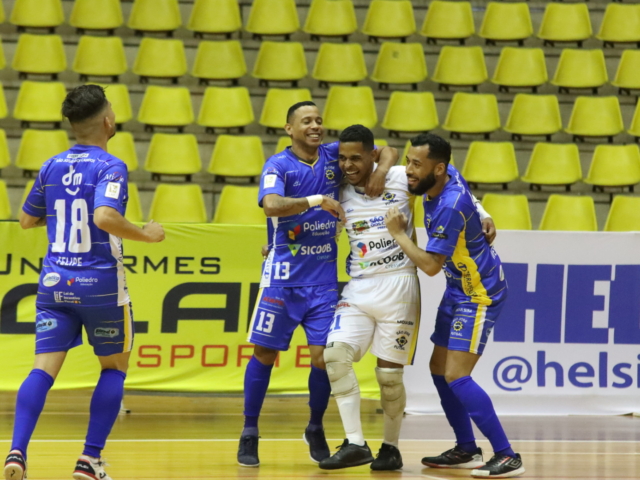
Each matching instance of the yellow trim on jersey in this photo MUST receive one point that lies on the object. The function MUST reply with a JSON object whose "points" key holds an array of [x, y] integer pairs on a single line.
{"points": [[255, 312], [469, 277], [128, 324], [416, 331], [478, 326]]}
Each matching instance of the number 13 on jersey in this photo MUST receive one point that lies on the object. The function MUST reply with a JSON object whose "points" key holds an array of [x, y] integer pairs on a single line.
{"points": [[281, 270]]}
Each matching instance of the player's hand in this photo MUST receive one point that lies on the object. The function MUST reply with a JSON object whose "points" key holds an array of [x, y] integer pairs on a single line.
{"points": [[333, 207], [265, 251], [489, 230], [396, 221], [375, 184], [154, 232]]}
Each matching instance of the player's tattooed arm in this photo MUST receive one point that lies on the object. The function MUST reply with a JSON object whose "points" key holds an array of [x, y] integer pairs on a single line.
{"points": [[386, 157], [275, 205], [29, 221], [110, 220], [430, 263]]}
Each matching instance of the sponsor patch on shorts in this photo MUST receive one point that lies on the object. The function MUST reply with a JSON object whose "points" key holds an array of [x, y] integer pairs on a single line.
{"points": [[46, 324], [106, 332]]}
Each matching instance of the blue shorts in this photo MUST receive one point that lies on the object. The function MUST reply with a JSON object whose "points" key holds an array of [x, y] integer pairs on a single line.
{"points": [[279, 310], [59, 328], [463, 325]]}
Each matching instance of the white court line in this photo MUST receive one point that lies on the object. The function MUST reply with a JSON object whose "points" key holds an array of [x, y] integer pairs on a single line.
{"points": [[203, 440]]}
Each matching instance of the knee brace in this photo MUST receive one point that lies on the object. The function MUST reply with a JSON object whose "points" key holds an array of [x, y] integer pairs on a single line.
{"points": [[392, 393], [339, 359]]}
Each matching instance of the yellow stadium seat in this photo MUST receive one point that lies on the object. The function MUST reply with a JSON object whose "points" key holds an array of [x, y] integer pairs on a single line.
{"points": [[460, 66], [621, 24], [569, 213], [624, 215], [155, 16], [418, 212], [219, 61], [173, 154], [5, 206], [410, 112], [580, 69], [40, 102], [100, 57], [160, 58], [39, 55], [178, 204], [534, 115], [2, 16], [614, 166], [3, 103], [331, 18], [276, 105], [118, 95], [490, 162], [347, 106], [628, 73], [5, 158], [215, 17], [38, 146], [634, 129], [166, 107], [509, 212], [565, 22], [84, 17], [134, 207], [389, 19], [380, 142], [448, 21], [506, 22], [400, 63], [123, 147], [239, 206], [3, 60], [225, 108], [340, 63], [283, 142], [280, 62], [236, 156], [37, 14], [520, 67], [472, 113], [553, 164], [25, 194], [595, 117], [273, 17]]}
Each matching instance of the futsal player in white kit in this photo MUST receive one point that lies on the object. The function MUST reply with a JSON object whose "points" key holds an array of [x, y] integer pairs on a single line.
{"points": [[379, 308]]}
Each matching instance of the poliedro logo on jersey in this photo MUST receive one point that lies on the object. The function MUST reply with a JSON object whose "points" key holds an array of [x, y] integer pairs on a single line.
{"points": [[320, 228], [382, 244], [387, 261], [51, 279], [311, 250], [363, 249], [294, 231], [106, 332], [83, 281]]}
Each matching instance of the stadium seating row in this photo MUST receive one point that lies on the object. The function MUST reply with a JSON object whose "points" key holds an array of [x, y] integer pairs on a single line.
{"points": [[335, 63], [385, 19], [230, 108]]}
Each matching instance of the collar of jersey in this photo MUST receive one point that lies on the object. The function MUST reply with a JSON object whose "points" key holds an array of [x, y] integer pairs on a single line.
{"points": [[301, 160]]}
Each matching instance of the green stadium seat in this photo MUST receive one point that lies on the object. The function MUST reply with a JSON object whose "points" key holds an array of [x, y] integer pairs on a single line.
{"points": [[580, 69], [624, 215], [628, 74], [474, 113], [5, 205], [347, 106], [460, 67], [273, 17], [565, 22], [553, 164], [490, 162], [389, 19], [595, 117], [37, 14], [83, 15], [520, 67], [340, 63], [280, 62], [506, 22], [5, 158], [448, 21], [620, 24], [221, 60], [166, 107], [134, 206], [410, 112], [331, 18], [400, 63], [38, 146], [614, 166], [225, 108], [276, 105], [509, 212], [39, 102], [123, 147], [534, 115]]}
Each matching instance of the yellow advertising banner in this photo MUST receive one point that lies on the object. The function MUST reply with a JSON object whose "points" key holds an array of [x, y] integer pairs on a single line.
{"points": [[192, 298]]}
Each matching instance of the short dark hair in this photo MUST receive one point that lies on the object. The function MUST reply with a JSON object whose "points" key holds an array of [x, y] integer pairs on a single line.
{"points": [[84, 102], [358, 133], [439, 148], [296, 106]]}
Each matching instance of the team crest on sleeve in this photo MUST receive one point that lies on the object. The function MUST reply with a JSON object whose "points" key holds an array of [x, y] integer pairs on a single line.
{"points": [[113, 190]]}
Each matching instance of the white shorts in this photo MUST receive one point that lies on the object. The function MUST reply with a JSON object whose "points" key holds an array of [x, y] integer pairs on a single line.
{"points": [[381, 312]]}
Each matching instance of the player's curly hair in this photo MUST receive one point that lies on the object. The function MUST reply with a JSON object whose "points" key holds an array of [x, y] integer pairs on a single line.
{"points": [[439, 148], [84, 102], [360, 134]]}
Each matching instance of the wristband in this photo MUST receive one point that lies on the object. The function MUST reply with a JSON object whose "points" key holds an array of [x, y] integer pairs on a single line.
{"points": [[314, 200]]}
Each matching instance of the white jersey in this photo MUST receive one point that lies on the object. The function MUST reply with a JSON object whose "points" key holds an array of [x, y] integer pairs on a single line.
{"points": [[373, 249]]}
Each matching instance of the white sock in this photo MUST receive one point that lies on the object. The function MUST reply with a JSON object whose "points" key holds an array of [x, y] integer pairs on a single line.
{"points": [[350, 413]]}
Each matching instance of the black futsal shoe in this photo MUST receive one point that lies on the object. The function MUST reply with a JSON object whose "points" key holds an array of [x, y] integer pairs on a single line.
{"points": [[455, 458], [318, 447], [348, 455], [248, 451], [388, 458], [15, 466], [500, 466]]}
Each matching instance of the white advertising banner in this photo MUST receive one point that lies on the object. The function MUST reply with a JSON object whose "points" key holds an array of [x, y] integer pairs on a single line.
{"points": [[568, 338]]}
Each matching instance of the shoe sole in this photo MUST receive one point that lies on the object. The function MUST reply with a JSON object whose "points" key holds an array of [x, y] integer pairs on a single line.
{"points": [[317, 462], [13, 471], [515, 473], [465, 466], [83, 476], [249, 466], [363, 462], [397, 469]]}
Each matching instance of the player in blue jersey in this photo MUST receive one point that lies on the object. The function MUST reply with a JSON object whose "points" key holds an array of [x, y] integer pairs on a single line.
{"points": [[80, 196], [299, 194], [475, 294]]}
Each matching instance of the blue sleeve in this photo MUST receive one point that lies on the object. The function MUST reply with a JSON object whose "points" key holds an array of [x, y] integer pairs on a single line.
{"points": [[35, 204], [112, 188], [272, 180], [446, 225]]}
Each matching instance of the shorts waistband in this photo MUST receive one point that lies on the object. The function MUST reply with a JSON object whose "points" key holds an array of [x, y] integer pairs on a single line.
{"points": [[394, 273]]}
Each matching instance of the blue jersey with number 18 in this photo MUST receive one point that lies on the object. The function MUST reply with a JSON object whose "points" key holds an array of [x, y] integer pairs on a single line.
{"points": [[83, 265], [303, 249]]}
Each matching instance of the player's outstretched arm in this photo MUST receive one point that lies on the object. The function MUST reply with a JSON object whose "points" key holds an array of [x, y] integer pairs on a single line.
{"points": [[275, 205], [387, 157], [110, 220], [429, 263], [29, 221]]}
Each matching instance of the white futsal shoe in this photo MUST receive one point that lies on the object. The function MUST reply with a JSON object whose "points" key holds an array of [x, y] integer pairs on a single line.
{"points": [[15, 466], [89, 468]]}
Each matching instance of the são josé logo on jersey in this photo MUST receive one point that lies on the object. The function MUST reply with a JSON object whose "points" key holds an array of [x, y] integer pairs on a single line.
{"points": [[363, 249], [389, 198], [330, 174]]}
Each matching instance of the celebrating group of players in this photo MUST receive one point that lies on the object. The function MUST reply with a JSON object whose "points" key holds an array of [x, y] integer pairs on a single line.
{"points": [[309, 192]]}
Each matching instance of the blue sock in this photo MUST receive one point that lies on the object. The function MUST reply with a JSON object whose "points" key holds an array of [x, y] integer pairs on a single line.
{"points": [[456, 414], [319, 393], [29, 405], [104, 410], [481, 410], [256, 383]]}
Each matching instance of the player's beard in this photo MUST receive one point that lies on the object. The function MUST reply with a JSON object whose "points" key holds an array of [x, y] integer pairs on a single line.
{"points": [[424, 185]]}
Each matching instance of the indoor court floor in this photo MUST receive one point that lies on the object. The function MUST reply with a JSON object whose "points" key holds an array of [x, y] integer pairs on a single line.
{"points": [[196, 437]]}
